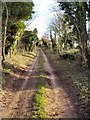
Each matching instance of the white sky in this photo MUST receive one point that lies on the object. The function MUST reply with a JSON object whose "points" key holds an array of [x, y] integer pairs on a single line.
{"points": [[44, 14]]}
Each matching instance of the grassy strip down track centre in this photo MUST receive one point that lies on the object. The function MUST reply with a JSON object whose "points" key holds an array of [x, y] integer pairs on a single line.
{"points": [[39, 105]]}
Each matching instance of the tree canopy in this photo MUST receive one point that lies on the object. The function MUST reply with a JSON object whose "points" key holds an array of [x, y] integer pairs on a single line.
{"points": [[14, 15]]}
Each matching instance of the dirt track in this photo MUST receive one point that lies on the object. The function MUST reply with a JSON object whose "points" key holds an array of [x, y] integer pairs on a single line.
{"points": [[58, 102], [20, 100]]}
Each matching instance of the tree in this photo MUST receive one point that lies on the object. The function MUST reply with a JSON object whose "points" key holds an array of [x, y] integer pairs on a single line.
{"points": [[11, 16], [45, 40], [29, 40], [5, 22], [75, 13], [62, 32]]}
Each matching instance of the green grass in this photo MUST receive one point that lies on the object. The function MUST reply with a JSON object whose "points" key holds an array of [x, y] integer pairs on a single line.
{"points": [[7, 70], [71, 51], [39, 104]]}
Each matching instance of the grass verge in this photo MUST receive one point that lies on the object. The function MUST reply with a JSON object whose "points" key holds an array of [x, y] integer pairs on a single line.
{"points": [[17, 61], [39, 104], [13, 65]]}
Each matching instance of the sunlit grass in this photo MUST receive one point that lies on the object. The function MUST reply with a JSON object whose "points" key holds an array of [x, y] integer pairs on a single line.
{"points": [[20, 59], [17, 61], [71, 51]]}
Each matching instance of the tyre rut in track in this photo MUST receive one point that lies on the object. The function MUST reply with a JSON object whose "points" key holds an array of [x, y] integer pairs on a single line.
{"points": [[21, 103]]}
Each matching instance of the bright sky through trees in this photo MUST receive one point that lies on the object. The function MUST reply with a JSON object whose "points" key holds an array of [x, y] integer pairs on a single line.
{"points": [[43, 12], [43, 15]]}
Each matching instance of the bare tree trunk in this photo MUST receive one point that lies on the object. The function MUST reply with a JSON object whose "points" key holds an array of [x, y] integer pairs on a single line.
{"points": [[55, 45], [82, 41], [84, 38], [59, 44], [10, 52], [4, 32]]}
